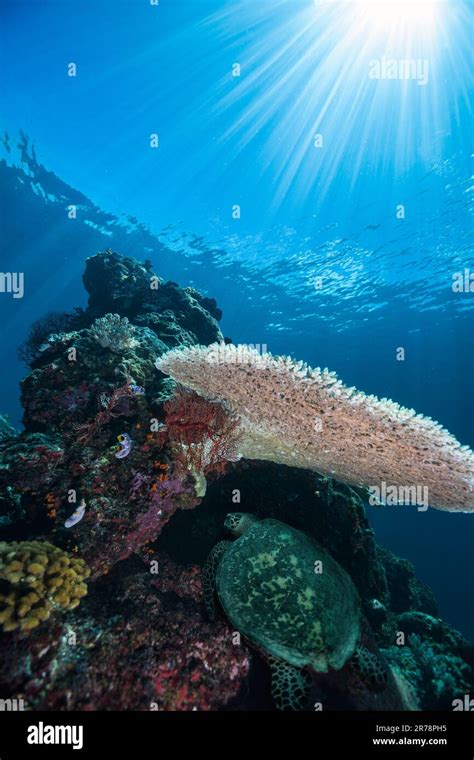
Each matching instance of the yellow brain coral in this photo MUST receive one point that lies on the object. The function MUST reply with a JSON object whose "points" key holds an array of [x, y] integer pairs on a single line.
{"points": [[35, 579]]}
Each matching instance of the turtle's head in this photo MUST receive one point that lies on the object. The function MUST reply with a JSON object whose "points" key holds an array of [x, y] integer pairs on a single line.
{"points": [[238, 522]]}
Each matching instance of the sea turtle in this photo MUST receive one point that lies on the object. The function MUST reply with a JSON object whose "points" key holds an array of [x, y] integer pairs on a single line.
{"points": [[287, 596]]}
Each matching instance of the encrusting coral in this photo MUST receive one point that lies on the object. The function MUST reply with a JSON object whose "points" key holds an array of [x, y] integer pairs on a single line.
{"points": [[35, 578], [293, 415]]}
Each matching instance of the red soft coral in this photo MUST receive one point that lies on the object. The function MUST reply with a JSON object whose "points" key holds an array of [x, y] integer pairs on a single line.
{"points": [[201, 433]]}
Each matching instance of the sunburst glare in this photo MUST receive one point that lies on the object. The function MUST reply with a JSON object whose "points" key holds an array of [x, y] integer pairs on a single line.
{"points": [[343, 85]]}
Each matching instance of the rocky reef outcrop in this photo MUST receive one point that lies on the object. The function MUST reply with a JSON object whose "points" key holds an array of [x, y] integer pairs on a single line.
{"points": [[107, 469]]}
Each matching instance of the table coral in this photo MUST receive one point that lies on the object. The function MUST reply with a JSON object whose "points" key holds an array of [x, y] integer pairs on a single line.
{"points": [[297, 416]]}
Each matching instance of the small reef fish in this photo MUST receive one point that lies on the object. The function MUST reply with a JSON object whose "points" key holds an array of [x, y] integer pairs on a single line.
{"points": [[77, 515], [125, 446], [137, 390]]}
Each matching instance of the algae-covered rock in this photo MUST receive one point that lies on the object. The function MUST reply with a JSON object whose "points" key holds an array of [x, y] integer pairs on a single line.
{"points": [[407, 592], [77, 369], [438, 672], [29, 461], [121, 285], [118, 284]]}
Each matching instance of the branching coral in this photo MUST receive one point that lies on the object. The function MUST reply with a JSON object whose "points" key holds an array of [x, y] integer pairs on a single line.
{"points": [[114, 332], [294, 415], [35, 578], [202, 435]]}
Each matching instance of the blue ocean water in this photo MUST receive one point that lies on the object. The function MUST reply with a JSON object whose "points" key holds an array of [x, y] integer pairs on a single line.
{"points": [[326, 211]]}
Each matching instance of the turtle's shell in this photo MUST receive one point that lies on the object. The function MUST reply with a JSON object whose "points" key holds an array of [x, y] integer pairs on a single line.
{"points": [[270, 588]]}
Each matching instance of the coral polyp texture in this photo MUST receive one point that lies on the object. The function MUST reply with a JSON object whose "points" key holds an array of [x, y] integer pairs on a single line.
{"points": [[35, 579], [307, 418]]}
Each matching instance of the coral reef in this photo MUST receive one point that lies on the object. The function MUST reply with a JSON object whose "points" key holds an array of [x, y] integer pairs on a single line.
{"points": [[118, 284], [139, 642], [29, 461], [40, 331], [6, 429], [121, 285], [294, 415], [434, 660], [37, 577], [110, 468], [75, 373], [89, 389]]}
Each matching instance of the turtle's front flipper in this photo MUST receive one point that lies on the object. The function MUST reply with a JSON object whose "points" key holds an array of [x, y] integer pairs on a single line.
{"points": [[209, 572], [370, 668], [290, 685]]}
